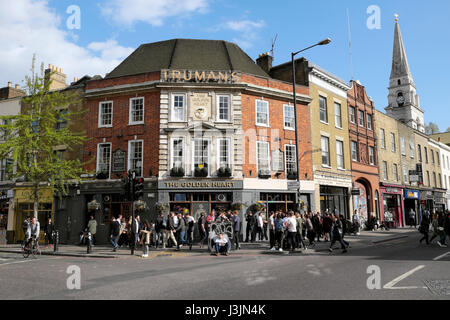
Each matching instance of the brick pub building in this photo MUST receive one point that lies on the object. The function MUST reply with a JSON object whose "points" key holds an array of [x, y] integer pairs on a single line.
{"points": [[202, 123], [363, 147]]}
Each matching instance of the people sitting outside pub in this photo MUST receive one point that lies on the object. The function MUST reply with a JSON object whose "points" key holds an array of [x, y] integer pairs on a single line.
{"points": [[223, 245]]}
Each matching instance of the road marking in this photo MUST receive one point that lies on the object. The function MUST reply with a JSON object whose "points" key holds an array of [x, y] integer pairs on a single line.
{"points": [[441, 256], [391, 284], [23, 261]]}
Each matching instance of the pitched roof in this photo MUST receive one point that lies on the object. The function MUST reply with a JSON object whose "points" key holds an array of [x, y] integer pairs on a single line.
{"points": [[187, 54]]}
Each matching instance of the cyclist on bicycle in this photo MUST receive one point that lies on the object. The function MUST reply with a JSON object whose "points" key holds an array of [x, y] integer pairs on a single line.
{"points": [[33, 231]]}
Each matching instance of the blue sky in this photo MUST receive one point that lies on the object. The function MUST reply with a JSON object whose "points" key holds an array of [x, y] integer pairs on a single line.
{"points": [[111, 29]]}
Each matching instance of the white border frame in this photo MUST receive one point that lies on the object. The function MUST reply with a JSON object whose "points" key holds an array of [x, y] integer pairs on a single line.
{"points": [[208, 157], [268, 157], [172, 139], [185, 107], [268, 113], [110, 157], [285, 157], [284, 117], [100, 113], [218, 96], [229, 153], [128, 154], [130, 122]]}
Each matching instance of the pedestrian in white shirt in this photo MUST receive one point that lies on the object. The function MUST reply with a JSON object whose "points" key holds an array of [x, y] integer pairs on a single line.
{"points": [[291, 226]]}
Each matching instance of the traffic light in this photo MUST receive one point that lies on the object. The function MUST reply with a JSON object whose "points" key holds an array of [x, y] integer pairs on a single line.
{"points": [[139, 188], [126, 183]]}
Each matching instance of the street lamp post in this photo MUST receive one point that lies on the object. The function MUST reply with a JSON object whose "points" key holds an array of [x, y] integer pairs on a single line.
{"points": [[294, 80]]}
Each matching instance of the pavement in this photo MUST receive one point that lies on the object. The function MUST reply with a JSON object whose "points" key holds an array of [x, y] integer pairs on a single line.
{"points": [[398, 269], [366, 238]]}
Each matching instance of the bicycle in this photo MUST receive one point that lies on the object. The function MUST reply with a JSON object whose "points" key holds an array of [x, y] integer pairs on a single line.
{"points": [[31, 248]]}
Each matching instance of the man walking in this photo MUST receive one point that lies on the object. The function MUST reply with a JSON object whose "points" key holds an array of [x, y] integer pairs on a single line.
{"points": [[337, 230], [92, 228], [236, 229], [202, 230], [190, 230], [279, 232], [135, 231], [291, 226], [171, 228], [425, 228], [115, 233], [160, 229], [181, 232], [272, 231], [249, 228]]}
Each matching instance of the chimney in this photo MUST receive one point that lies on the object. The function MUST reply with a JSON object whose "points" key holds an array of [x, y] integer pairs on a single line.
{"points": [[265, 61], [10, 92], [9, 84], [17, 87], [57, 77]]}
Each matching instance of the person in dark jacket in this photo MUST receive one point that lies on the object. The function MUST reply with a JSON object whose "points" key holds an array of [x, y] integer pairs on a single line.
{"points": [[236, 228], [202, 229], [181, 231], [135, 230], [160, 229], [327, 222], [447, 225], [249, 228], [337, 230], [425, 228], [190, 222], [48, 232], [171, 231], [317, 224], [115, 233]]}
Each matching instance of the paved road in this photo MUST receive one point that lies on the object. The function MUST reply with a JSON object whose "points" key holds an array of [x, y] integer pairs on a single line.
{"points": [[409, 270]]}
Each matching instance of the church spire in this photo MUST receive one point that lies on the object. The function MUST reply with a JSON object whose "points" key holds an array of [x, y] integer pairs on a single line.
{"points": [[400, 66]]}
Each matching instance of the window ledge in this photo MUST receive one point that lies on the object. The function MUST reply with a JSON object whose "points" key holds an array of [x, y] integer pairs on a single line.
{"points": [[327, 167], [323, 122]]}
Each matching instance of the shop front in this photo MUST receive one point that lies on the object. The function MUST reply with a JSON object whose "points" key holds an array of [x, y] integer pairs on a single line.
{"points": [[427, 200], [439, 201], [24, 207], [6, 205], [412, 202], [392, 199], [335, 198], [199, 196]]}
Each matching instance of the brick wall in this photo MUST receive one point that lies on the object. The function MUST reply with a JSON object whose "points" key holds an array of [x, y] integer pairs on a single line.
{"points": [[122, 132]]}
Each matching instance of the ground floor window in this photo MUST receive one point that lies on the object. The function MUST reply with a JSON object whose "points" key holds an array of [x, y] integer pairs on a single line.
{"points": [[278, 201], [113, 206], [198, 203], [335, 200], [392, 209], [4, 207], [24, 210]]}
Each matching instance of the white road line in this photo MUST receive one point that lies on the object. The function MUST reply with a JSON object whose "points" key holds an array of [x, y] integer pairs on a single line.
{"points": [[391, 284], [441, 256], [1, 259], [24, 261]]}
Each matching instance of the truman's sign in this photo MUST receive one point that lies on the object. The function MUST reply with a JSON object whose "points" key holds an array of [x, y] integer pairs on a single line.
{"points": [[200, 76]]}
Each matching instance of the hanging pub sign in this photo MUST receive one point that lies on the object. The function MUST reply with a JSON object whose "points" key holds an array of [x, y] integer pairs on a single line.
{"points": [[119, 161], [200, 76]]}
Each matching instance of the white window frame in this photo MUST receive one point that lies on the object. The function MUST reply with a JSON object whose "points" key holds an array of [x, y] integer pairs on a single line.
{"points": [[326, 110], [100, 125], [363, 119], [340, 155], [268, 156], [350, 114], [395, 172], [229, 108], [172, 151], [385, 171], [336, 116], [393, 143], [208, 156], [219, 141], [412, 149], [405, 174], [329, 152], [268, 113], [110, 156], [284, 117], [130, 112], [372, 159], [285, 157], [402, 146], [354, 144], [369, 122], [383, 138], [129, 154], [172, 107]]}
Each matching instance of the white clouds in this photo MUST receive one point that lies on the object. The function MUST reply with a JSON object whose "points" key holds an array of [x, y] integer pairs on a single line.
{"points": [[153, 12], [244, 25], [248, 31], [28, 27]]}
